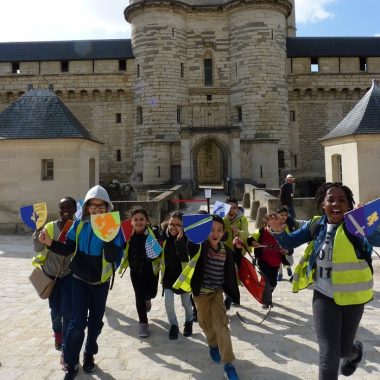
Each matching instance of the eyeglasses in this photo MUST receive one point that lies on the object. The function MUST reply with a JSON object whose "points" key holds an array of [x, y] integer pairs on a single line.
{"points": [[99, 206], [174, 225]]}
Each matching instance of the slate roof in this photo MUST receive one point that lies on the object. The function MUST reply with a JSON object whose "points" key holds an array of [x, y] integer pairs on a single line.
{"points": [[65, 50], [40, 114], [333, 47], [364, 118]]}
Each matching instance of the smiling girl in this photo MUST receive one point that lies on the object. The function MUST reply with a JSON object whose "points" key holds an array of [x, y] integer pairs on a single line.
{"points": [[339, 265]]}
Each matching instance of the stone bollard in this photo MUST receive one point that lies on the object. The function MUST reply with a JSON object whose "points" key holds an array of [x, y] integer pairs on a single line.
{"points": [[255, 206], [246, 200], [261, 212]]}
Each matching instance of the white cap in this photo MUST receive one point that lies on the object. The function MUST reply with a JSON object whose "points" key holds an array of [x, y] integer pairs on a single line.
{"points": [[288, 176]]}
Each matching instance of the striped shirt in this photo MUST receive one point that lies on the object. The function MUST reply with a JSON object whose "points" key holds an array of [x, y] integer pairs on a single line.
{"points": [[213, 272]]}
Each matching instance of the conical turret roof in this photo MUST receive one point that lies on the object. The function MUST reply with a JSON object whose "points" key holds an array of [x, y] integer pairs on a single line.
{"points": [[40, 114], [364, 118]]}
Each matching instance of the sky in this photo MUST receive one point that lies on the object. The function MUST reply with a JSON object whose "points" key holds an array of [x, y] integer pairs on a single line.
{"points": [[50, 20]]}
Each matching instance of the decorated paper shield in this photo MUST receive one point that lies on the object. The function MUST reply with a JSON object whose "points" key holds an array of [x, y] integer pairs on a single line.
{"points": [[197, 227], [152, 247], [34, 216], [106, 226], [221, 208], [126, 227], [363, 220]]}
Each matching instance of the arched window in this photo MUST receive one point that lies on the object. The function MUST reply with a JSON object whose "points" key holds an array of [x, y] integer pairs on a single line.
{"points": [[336, 168]]}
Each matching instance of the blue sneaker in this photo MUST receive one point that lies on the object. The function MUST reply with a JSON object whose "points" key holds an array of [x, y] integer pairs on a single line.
{"points": [[230, 372], [215, 354]]}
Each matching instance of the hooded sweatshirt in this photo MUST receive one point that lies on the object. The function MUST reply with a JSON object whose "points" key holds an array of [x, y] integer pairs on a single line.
{"points": [[86, 265]]}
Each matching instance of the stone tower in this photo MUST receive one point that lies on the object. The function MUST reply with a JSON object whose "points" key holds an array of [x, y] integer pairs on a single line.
{"points": [[210, 95]]}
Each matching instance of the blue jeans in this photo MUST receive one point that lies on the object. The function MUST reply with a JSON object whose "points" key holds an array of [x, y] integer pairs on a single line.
{"points": [[169, 306], [88, 307], [60, 304]]}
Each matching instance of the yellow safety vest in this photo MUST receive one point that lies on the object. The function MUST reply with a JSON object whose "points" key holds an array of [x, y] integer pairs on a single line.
{"points": [[352, 278], [184, 280], [41, 256]]}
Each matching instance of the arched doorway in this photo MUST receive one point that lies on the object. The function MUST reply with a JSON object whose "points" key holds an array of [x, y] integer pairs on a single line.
{"points": [[210, 164]]}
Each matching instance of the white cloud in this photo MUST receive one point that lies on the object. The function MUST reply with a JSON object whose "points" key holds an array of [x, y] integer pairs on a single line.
{"points": [[312, 11], [41, 20]]}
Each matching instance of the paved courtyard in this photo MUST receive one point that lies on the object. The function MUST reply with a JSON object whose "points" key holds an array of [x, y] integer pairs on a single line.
{"points": [[282, 347]]}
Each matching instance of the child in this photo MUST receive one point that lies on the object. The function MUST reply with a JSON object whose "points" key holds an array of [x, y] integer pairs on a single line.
{"points": [[236, 225], [214, 272], [92, 265], [339, 265], [268, 254], [287, 259], [174, 257], [57, 266], [144, 271]]}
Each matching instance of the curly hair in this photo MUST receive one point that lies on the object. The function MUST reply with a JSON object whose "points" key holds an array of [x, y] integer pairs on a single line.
{"points": [[322, 191]]}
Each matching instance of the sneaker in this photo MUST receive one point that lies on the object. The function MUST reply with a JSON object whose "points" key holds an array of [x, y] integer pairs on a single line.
{"points": [[279, 277], [71, 372], [143, 330], [227, 303], [265, 307], [230, 372], [188, 329], [88, 363], [349, 366], [173, 333], [58, 341], [148, 304], [215, 355]]}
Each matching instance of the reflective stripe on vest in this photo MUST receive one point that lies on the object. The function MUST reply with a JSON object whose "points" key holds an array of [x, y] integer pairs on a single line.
{"points": [[41, 256], [184, 280]]}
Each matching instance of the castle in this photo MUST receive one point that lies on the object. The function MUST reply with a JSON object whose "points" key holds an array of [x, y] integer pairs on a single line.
{"points": [[205, 92]]}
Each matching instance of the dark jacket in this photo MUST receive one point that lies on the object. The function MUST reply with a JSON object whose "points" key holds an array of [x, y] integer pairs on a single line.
{"points": [[286, 194], [230, 285], [175, 253]]}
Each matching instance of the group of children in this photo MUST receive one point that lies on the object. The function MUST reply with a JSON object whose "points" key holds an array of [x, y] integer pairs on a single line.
{"points": [[207, 270]]}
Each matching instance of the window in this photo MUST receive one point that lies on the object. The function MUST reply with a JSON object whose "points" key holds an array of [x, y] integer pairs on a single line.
{"points": [[178, 115], [239, 114], [295, 161], [292, 115], [314, 65], [182, 70], [281, 159], [118, 118], [64, 66], [207, 65], [363, 63], [47, 170], [336, 166], [118, 155], [122, 64], [139, 115], [15, 67], [209, 98]]}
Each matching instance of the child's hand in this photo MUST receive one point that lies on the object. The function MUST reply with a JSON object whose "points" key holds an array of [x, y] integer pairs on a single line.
{"points": [[235, 231], [180, 233], [44, 238], [237, 242], [274, 222]]}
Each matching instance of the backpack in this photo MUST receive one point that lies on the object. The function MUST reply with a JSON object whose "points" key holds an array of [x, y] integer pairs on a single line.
{"points": [[362, 250]]}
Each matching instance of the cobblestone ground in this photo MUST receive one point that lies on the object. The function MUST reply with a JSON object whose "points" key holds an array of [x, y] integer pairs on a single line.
{"points": [[282, 347]]}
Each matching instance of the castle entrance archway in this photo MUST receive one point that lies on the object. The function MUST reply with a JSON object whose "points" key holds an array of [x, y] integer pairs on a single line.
{"points": [[210, 164]]}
